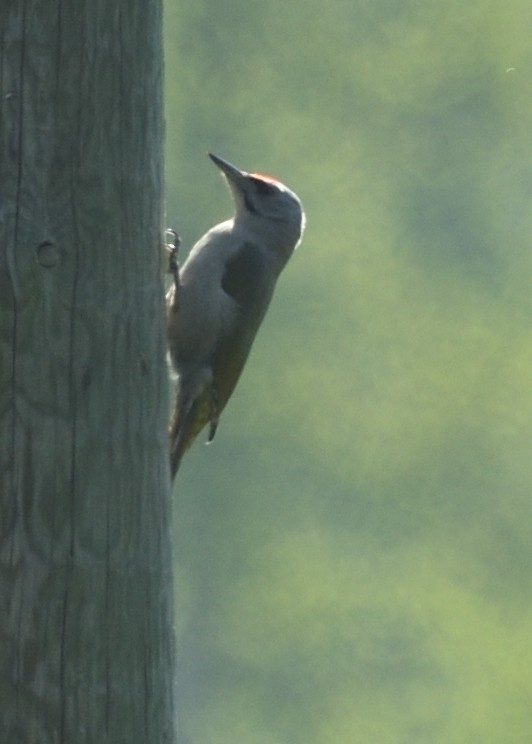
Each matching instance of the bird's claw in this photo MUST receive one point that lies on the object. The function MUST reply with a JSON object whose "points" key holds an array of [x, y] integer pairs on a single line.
{"points": [[172, 244]]}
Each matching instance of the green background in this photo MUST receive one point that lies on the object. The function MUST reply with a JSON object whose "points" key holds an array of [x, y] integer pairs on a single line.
{"points": [[354, 552]]}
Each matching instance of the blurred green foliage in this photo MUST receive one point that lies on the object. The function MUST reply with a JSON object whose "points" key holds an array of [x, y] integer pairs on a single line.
{"points": [[354, 551]]}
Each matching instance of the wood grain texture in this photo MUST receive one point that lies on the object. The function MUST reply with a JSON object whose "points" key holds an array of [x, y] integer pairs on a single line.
{"points": [[85, 584]]}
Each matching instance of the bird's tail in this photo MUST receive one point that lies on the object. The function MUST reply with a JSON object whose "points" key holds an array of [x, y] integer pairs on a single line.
{"points": [[195, 407], [180, 438]]}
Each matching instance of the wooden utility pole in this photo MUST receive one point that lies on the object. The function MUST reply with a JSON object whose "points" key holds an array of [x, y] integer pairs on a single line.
{"points": [[86, 642]]}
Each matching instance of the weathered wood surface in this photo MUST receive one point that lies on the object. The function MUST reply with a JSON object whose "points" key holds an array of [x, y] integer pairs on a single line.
{"points": [[86, 646]]}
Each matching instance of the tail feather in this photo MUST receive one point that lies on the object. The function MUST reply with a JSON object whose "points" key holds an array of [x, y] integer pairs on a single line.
{"points": [[190, 416]]}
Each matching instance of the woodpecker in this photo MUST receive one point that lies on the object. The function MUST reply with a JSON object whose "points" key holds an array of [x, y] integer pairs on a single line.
{"points": [[220, 296]]}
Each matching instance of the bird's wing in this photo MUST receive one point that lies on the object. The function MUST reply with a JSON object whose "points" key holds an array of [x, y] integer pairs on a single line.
{"points": [[249, 279]]}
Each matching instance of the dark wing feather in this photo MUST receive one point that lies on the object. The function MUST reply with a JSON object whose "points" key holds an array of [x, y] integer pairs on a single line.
{"points": [[249, 279]]}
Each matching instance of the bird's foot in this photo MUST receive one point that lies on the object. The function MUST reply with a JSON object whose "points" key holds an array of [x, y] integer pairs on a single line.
{"points": [[172, 244]]}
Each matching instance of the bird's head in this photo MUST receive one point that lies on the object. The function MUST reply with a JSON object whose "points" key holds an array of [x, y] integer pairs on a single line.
{"points": [[263, 198]]}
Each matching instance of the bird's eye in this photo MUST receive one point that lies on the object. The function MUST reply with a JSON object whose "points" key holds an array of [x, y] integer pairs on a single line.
{"points": [[263, 187]]}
